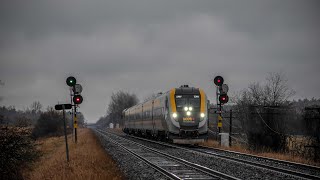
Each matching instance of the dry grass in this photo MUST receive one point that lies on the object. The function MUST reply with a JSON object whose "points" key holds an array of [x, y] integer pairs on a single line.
{"points": [[266, 153], [88, 159]]}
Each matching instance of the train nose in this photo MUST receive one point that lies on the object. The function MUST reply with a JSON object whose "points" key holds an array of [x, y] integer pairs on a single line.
{"points": [[188, 133]]}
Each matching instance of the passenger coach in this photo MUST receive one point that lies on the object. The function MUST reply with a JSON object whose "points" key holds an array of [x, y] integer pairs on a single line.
{"points": [[179, 115]]}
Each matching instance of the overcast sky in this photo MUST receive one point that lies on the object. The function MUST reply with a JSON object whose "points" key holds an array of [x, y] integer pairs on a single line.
{"points": [[149, 46]]}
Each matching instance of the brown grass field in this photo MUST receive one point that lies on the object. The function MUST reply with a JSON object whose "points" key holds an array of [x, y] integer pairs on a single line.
{"points": [[88, 160], [266, 153]]}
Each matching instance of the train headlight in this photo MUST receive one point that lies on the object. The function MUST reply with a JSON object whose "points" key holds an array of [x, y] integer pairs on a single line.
{"points": [[174, 115], [188, 113], [202, 115], [190, 108], [185, 108]]}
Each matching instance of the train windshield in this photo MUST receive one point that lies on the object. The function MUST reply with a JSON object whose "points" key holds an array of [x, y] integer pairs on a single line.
{"points": [[188, 100], [194, 102]]}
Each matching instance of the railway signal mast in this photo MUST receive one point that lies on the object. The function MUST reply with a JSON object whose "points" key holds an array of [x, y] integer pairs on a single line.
{"points": [[222, 97], [76, 99]]}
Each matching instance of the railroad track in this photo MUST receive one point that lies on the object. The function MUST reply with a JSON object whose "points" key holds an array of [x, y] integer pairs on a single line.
{"points": [[170, 166], [280, 166], [266, 159]]}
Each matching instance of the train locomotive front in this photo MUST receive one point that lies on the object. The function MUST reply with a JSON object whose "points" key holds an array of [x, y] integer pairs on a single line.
{"points": [[180, 115]]}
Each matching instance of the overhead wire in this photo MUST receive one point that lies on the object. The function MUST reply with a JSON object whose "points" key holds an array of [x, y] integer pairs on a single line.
{"points": [[268, 125]]}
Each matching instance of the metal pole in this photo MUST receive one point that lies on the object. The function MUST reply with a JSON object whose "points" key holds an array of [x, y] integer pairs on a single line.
{"points": [[65, 133], [217, 100], [75, 123], [217, 94], [230, 128], [220, 114], [71, 111]]}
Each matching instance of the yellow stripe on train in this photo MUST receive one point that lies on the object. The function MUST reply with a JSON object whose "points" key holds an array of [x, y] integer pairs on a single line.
{"points": [[172, 100], [202, 102]]}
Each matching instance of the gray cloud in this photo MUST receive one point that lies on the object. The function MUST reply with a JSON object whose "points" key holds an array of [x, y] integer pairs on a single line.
{"points": [[149, 46]]}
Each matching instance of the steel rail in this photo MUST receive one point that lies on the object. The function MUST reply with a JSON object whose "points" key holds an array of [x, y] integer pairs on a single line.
{"points": [[203, 169], [315, 168], [276, 169]]}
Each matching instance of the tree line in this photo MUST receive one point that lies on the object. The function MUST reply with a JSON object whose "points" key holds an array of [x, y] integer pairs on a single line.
{"points": [[267, 115], [119, 101]]}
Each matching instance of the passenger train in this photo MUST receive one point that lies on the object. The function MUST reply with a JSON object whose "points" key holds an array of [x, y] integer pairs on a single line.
{"points": [[179, 115]]}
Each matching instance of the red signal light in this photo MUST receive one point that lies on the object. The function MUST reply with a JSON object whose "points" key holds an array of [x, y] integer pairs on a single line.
{"points": [[77, 99], [223, 98], [218, 81]]}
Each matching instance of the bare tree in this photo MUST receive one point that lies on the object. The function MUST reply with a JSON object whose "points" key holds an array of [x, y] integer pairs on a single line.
{"points": [[36, 106], [276, 90], [255, 94], [120, 101], [262, 111]]}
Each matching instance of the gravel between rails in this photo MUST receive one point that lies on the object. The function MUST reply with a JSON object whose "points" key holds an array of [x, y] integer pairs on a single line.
{"points": [[292, 167], [232, 168], [132, 167]]}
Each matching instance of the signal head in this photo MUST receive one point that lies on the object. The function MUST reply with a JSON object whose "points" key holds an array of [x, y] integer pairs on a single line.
{"points": [[77, 99], [218, 80], [71, 81], [223, 98]]}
